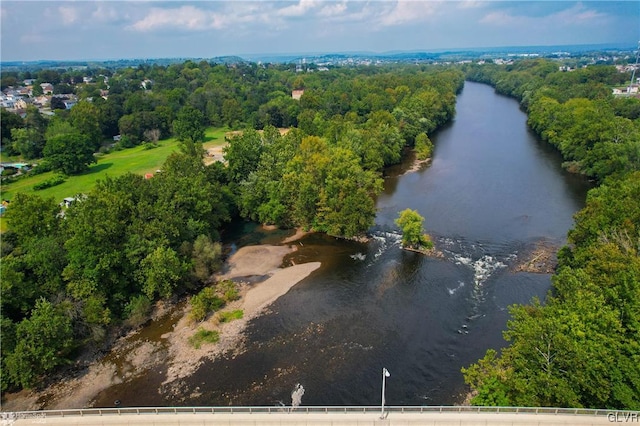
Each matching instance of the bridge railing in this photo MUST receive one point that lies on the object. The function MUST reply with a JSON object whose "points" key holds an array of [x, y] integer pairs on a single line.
{"points": [[312, 409]]}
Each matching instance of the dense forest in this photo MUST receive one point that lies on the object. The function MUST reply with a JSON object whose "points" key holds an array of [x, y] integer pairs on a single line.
{"points": [[72, 275], [581, 347]]}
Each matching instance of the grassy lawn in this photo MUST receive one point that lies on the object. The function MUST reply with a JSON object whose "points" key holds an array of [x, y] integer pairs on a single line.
{"points": [[135, 160]]}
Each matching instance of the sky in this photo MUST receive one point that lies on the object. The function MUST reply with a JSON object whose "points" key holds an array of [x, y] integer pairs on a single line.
{"points": [[92, 30]]}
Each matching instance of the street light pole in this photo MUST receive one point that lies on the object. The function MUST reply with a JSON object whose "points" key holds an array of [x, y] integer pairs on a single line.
{"points": [[385, 374]]}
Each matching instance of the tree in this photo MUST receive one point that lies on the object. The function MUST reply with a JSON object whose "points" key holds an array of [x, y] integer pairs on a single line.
{"points": [[243, 154], [32, 216], [70, 153], [413, 234], [189, 125], [28, 142], [85, 117], [206, 257], [423, 146], [346, 206], [160, 271], [8, 122], [43, 340]]}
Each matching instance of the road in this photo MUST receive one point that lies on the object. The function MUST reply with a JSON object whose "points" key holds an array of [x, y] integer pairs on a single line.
{"points": [[368, 418]]}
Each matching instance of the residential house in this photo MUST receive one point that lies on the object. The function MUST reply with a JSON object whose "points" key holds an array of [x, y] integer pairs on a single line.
{"points": [[8, 101], [42, 100], [47, 88], [297, 94], [22, 103]]}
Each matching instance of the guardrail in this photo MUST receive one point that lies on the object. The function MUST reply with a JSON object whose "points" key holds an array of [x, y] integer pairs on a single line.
{"points": [[315, 409]]}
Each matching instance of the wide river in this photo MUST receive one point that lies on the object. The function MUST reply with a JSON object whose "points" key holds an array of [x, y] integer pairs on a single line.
{"points": [[491, 192]]}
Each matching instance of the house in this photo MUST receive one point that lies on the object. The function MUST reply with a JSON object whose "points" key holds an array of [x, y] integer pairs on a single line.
{"points": [[7, 101], [21, 103], [42, 100], [87, 79], [47, 88], [68, 104], [297, 94], [28, 81]]}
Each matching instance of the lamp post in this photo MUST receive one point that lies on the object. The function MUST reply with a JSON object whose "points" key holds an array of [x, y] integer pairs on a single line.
{"points": [[385, 374]]}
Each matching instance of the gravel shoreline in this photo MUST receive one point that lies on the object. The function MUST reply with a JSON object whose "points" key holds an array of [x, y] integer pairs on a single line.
{"points": [[132, 356]]}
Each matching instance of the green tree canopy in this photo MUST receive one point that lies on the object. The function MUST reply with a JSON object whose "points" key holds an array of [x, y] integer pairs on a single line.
{"points": [[43, 341], [189, 125], [410, 222], [70, 153]]}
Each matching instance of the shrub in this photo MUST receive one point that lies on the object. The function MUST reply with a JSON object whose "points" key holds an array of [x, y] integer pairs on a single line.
{"points": [[56, 180], [204, 336], [204, 303], [230, 315], [229, 290], [9, 171], [42, 167]]}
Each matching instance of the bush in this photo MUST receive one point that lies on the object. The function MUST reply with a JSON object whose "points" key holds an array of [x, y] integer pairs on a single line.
{"points": [[204, 336], [9, 171], [42, 167], [56, 180], [230, 315], [229, 290], [204, 303], [149, 145]]}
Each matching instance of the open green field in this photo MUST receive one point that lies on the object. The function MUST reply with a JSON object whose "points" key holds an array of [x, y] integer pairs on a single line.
{"points": [[135, 160]]}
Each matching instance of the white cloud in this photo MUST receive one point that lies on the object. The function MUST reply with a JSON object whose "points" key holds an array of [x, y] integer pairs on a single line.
{"points": [[187, 17], [68, 14], [336, 9], [405, 11], [191, 18], [299, 9]]}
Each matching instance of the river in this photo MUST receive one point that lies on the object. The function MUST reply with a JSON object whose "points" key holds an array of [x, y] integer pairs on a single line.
{"points": [[491, 191]]}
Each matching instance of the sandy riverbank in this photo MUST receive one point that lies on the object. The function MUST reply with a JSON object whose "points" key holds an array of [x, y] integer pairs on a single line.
{"points": [[417, 165], [248, 261], [133, 355]]}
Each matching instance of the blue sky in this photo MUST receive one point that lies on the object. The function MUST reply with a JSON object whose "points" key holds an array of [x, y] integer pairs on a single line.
{"points": [[64, 30]]}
